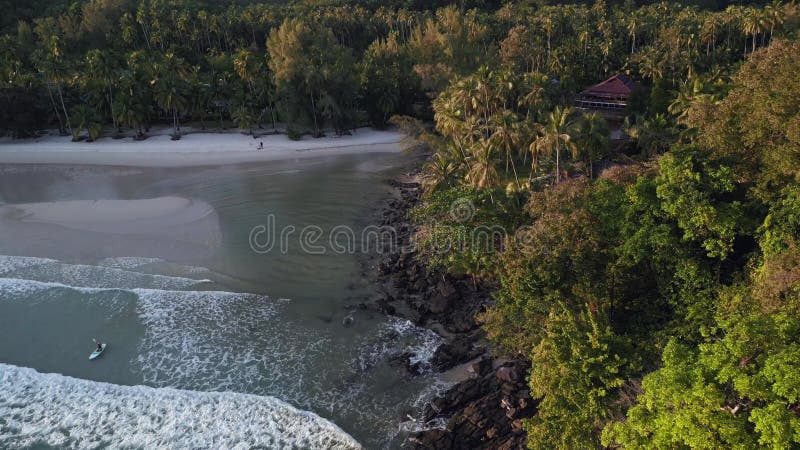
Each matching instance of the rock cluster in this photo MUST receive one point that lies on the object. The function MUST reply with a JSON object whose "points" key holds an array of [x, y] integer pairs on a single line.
{"points": [[484, 410]]}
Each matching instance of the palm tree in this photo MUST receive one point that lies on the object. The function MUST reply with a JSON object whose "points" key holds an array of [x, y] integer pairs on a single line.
{"points": [[127, 113], [244, 117], [84, 118], [170, 89], [506, 136], [633, 25], [101, 69], [774, 15], [220, 86], [169, 96], [752, 24], [689, 90], [482, 172], [51, 64], [554, 135], [535, 147], [593, 139], [200, 88], [438, 172], [653, 136], [533, 97]]}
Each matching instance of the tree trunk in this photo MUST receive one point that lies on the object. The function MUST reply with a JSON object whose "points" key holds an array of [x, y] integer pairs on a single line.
{"points": [[558, 169], [314, 114], [516, 178], [146, 36], [63, 107], [61, 130], [111, 107]]}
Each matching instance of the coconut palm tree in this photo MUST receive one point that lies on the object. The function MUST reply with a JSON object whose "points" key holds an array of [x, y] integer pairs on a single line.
{"points": [[85, 119], [169, 95], [482, 171], [244, 117], [439, 172], [506, 136], [170, 92], [50, 63], [533, 96], [593, 139], [752, 24], [653, 136], [102, 69], [129, 113], [554, 135]]}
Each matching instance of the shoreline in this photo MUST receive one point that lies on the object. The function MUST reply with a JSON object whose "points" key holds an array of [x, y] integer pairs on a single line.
{"points": [[486, 405], [193, 149]]}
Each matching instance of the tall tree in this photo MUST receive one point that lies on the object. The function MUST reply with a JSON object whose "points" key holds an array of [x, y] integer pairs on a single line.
{"points": [[308, 63], [555, 135], [170, 89]]}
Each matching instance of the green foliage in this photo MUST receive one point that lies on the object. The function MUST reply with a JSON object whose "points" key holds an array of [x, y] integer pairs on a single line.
{"points": [[84, 118], [698, 196], [388, 79], [576, 369], [378, 59], [462, 230], [737, 390], [315, 71]]}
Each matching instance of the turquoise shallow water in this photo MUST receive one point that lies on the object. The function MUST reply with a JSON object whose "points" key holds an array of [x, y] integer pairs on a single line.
{"points": [[191, 306]]}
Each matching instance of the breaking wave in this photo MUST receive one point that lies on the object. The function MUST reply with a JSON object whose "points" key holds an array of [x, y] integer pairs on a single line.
{"points": [[55, 410]]}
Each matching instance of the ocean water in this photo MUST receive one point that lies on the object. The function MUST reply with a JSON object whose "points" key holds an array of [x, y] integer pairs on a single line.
{"points": [[211, 344]]}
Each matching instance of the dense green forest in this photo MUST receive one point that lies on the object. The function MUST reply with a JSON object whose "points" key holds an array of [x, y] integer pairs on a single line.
{"points": [[97, 66], [651, 276]]}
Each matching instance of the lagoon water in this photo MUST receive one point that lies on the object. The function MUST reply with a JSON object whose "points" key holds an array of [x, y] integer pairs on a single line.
{"points": [[211, 344]]}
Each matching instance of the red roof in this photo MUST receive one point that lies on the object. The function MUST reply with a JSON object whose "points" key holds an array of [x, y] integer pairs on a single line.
{"points": [[618, 85]]}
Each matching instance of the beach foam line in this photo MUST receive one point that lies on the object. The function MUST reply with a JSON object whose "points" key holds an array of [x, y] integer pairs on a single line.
{"points": [[61, 411], [79, 275], [12, 263], [22, 287], [128, 262]]}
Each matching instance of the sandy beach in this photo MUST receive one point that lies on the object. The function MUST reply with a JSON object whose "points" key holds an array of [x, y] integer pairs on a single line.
{"points": [[150, 225], [112, 216], [193, 149]]}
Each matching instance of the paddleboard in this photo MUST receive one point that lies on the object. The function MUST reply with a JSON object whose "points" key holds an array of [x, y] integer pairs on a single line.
{"points": [[97, 353]]}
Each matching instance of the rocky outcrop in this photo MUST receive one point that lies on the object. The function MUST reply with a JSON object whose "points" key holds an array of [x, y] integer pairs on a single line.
{"points": [[484, 410]]}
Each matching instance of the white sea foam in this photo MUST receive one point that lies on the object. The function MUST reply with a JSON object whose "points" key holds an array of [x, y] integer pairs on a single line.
{"points": [[224, 341], [11, 263], [79, 275], [398, 337], [65, 412], [423, 346], [17, 288], [128, 262], [200, 338]]}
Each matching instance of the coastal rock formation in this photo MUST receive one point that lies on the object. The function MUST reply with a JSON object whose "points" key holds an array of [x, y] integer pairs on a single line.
{"points": [[484, 410]]}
